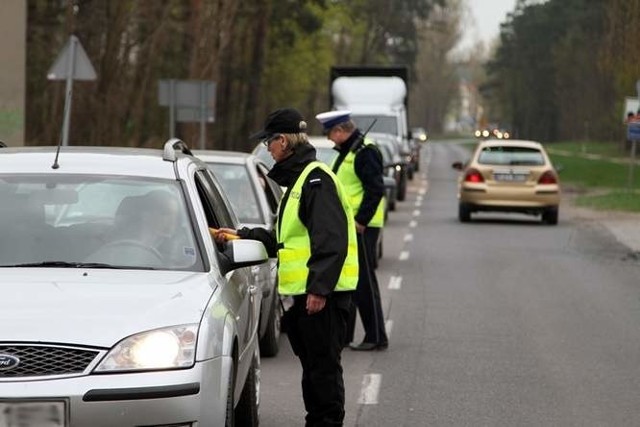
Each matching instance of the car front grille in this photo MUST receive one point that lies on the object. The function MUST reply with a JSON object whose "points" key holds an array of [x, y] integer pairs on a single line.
{"points": [[46, 360]]}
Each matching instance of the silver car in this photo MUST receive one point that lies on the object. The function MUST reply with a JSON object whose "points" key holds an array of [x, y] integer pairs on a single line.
{"points": [[254, 198], [117, 307]]}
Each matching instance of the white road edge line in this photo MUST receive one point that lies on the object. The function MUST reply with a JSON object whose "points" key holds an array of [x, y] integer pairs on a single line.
{"points": [[370, 389]]}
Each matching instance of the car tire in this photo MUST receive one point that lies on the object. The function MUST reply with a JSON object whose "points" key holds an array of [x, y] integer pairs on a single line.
{"points": [[402, 188], [270, 341], [550, 216], [247, 411], [230, 419], [392, 205], [464, 212]]}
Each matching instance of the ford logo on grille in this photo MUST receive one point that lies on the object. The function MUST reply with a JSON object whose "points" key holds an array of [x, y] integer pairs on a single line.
{"points": [[8, 362]]}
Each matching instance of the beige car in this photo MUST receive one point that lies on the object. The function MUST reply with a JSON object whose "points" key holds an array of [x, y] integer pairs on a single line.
{"points": [[508, 176]]}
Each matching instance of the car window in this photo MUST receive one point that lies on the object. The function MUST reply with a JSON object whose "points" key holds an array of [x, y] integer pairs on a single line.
{"points": [[272, 191], [383, 124], [121, 221], [510, 156], [238, 186], [219, 207]]}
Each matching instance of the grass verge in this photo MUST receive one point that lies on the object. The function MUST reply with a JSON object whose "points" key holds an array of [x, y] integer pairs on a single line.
{"points": [[602, 180]]}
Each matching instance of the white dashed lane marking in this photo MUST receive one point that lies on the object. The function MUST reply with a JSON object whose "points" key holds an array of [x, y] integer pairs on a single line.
{"points": [[395, 282], [404, 255], [413, 224], [370, 389], [388, 327], [408, 237]]}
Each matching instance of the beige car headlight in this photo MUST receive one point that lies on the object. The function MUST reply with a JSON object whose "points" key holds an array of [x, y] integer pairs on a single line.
{"points": [[166, 348]]}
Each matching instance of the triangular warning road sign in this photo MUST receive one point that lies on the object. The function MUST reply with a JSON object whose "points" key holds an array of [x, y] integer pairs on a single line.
{"points": [[82, 68]]}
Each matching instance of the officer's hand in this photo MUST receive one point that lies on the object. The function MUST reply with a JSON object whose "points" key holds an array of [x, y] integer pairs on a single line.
{"points": [[222, 235], [360, 228], [315, 303]]}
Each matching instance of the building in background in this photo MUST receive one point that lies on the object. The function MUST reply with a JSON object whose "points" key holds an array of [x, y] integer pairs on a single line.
{"points": [[13, 43]]}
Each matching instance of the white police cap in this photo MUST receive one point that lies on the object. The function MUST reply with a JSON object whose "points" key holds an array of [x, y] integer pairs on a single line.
{"points": [[330, 119]]}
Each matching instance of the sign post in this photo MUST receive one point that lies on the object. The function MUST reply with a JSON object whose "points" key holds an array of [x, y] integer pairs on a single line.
{"points": [[72, 64], [189, 101], [633, 135]]}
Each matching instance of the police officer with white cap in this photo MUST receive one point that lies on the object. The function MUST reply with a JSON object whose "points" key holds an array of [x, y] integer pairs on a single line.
{"points": [[359, 169]]}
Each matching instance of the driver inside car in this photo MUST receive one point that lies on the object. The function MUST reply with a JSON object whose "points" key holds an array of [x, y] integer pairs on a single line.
{"points": [[143, 231]]}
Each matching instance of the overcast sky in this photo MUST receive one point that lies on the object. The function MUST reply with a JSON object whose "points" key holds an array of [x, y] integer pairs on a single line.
{"points": [[485, 19]]}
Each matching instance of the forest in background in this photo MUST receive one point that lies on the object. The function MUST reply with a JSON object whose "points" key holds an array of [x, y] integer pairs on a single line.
{"points": [[560, 70], [262, 54]]}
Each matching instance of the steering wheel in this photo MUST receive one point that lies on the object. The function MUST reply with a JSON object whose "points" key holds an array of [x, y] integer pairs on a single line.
{"points": [[150, 250]]}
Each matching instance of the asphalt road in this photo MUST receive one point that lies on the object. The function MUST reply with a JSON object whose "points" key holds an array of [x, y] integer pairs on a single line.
{"points": [[499, 322]]}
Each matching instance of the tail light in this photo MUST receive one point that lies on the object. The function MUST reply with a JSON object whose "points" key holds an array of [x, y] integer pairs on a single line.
{"points": [[548, 178], [473, 175]]}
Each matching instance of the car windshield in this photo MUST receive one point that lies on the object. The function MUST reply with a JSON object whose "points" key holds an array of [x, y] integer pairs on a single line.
{"points": [[263, 154], [108, 222], [324, 154], [236, 182], [510, 156], [384, 124]]}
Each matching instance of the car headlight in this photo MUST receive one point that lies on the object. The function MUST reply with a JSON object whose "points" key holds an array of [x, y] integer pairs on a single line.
{"points": [[166, 348]]}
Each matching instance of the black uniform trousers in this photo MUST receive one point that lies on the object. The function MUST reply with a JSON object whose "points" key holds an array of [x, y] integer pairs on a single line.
{"points": [[318, 340], [367, 295]]}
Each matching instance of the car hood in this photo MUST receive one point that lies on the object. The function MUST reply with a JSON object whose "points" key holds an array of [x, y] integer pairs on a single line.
{"points": [[96, 307]]}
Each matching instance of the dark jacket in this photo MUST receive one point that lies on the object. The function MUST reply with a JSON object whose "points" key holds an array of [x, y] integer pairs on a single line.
{"points": [[368, 167], [322, 214]]}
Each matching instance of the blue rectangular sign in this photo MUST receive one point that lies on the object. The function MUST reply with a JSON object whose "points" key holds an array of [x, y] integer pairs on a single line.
{"points": [[633, 131]]}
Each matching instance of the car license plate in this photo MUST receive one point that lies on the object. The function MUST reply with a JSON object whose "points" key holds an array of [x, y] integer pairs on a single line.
{"points": [[510, 177], [33, 414]]}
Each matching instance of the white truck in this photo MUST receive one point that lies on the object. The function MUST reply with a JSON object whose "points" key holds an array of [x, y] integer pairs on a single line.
{"points": [[375, 93]]}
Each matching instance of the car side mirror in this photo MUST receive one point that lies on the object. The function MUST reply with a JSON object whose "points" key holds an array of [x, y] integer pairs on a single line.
{"points": [[457, 166], [242, 253]]}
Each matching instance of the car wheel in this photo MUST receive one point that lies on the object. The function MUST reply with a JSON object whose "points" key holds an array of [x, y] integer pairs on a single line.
{"points": [[550, 216], [247, 411], [402, 188], [410, 173], [230, 419], [270, 342], [392, 205], [464, 212]]}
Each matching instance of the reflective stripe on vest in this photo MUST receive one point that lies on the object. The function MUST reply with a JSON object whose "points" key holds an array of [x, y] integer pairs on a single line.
{"points": [[355, 191], [295, 245]]}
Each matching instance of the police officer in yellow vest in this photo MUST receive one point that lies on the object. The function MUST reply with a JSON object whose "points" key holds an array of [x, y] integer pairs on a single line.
{"points": [[316, 245], [359, 169]]}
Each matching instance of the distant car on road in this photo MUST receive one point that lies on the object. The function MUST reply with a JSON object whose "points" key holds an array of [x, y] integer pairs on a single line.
{"points": [[255, 199], [508, 176], [118, 308]]}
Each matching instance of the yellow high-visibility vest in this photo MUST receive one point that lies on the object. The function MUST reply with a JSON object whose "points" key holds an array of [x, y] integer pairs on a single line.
{"points": [[295, 246], [353, 186]]}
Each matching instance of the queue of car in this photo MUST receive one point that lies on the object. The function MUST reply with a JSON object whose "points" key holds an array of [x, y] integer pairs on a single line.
{"points": [[124, 310]]}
